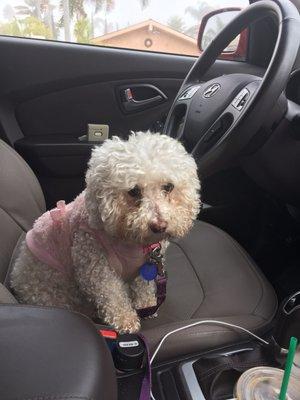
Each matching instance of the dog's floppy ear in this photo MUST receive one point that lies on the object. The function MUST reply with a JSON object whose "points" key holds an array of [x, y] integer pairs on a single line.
{"points": [[98, 193], [92, 179], [101, 163]]}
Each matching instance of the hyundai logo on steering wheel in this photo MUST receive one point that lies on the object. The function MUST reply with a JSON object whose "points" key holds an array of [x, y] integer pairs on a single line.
{"points": [[211, 90]]}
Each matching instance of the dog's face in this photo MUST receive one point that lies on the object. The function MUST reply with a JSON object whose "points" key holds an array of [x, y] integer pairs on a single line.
{"points": [[144, 189]]}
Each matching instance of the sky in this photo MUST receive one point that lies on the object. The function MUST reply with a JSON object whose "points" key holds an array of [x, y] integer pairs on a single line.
{"points": [[128, 12]]}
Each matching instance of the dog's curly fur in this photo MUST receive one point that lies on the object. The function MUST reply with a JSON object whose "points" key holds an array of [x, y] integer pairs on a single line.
{"points": [[145, 161]]}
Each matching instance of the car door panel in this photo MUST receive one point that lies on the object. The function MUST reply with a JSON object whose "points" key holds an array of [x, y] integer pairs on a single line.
{"points": [[68, 111], [50, 91]]}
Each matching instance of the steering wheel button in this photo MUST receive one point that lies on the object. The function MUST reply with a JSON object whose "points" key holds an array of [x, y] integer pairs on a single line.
{"points": [[240, 100], [215, 129], [189, 93]]}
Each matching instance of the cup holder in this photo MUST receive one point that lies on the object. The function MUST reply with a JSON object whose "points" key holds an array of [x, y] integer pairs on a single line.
{"points": [[213, 377]]}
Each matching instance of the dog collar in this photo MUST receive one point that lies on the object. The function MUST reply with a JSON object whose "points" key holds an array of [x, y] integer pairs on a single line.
{"points": [[154, 265], [150, 247]]}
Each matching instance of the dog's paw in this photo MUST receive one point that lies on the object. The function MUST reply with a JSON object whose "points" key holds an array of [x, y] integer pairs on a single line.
{"points": [[128, 323]]}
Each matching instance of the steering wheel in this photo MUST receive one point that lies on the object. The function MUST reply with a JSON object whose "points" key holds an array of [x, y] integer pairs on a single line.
{"points": [[215, 120]]}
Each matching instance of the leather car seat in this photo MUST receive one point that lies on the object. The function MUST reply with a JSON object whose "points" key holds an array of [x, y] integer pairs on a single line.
{"points": [[210, 275], [46, 353]]}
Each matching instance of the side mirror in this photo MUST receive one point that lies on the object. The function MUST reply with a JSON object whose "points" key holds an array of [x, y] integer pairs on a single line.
{"points": [[212, 23]]}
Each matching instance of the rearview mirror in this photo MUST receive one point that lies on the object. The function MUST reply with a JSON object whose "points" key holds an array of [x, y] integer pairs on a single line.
{"points": [[211, 25]]}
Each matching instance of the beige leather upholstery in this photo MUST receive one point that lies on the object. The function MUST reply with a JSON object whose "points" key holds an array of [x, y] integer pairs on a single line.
{"points": [[21, 202], [210, 275]]}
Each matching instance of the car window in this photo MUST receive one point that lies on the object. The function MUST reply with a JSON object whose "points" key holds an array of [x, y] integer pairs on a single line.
{"points": [[169, 26]]}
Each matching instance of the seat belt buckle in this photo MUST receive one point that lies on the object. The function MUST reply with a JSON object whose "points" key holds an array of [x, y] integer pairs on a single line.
{"points": [[110, 337], [108, 334]]}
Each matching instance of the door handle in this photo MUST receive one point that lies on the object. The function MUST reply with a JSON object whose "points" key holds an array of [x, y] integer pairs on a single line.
{"points": [[131, 104]]}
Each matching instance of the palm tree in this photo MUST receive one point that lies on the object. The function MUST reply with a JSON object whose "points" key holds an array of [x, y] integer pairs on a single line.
{"points": [[75, 9], [11, 28], [70, 9], [66, 19], [107, 5], [82, 30], [144, 3], [34, 27], [29, 26], [176, 22], [42, 10], [47, 11], [99, 5], [197, 13], [31, 8], [49, 20]]}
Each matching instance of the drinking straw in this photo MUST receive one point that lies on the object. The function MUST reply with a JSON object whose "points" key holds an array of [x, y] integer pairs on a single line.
{"points": [[288, 368]]}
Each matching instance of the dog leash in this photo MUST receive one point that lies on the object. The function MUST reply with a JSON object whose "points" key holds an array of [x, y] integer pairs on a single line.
{"points": [[147, 380], [154, 270], [130, 341], [161, 292], [156, 258]]}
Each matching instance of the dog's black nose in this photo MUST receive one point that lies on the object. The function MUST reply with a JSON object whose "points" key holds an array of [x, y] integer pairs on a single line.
{"points": [[158, 227]]}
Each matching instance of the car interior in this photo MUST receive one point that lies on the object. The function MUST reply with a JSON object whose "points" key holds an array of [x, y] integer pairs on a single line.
{"points": [[239, 264]]}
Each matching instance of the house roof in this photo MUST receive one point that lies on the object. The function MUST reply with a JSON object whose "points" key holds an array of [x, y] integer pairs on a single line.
{"points": [[152, 25]]}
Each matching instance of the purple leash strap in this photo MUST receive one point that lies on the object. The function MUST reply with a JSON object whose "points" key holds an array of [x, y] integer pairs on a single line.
{"points": [[147, 380], [161, 282], [161, 285]]}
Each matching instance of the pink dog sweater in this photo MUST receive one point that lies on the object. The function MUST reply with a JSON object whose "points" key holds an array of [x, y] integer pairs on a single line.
{"points": [[50, 240]]}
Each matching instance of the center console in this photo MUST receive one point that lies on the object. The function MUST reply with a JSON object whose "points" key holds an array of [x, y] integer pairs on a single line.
{"points": [[213, 375], [53, 351]]}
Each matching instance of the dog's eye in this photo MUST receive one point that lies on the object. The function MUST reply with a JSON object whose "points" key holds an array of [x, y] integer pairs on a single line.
{"points": [[168, 187], [135, 192]]}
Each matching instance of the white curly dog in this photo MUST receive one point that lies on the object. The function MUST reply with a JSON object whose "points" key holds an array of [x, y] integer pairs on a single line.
{"points": [[86, 255]]}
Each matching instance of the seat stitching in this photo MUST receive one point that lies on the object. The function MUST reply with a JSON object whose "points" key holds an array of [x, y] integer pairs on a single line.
{"points": [[45, 308], [229, 330], [13, 219], [253, 268], [237, 247], [29, 170], [190, 262], [13, 258]]}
